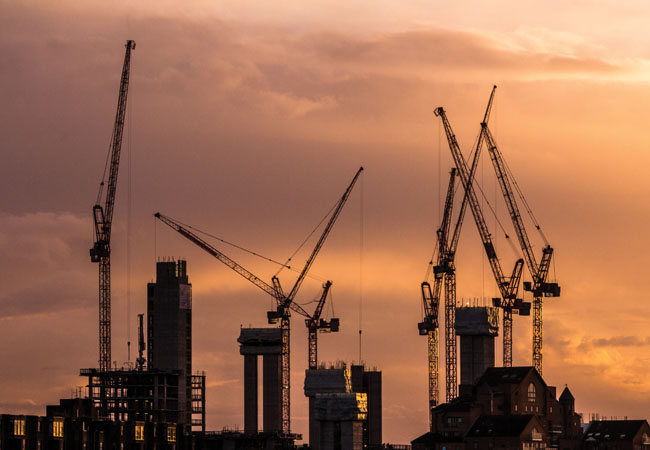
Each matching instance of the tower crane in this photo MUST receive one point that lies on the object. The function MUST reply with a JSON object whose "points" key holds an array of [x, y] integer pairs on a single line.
{"points": [[103, 218], [508, 286], [285, 302], [431, 299], [539, 272], [315, 324], [445, 270]]}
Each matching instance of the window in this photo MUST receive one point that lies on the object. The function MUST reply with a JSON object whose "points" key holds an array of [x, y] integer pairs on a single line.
{"points": [[19, 427], [454, 421], [57, 427], [139, 432], [171, 433], [531, 392]]}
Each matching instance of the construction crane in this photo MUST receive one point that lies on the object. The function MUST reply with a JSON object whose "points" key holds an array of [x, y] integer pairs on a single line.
{"points": [[285, 302], [445, 269], [539, 272], [103, 217], [448, 267], [508, 286], [316, 324], [431, 299]]}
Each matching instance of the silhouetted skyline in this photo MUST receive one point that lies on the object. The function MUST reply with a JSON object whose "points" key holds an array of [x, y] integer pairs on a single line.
{"points": [[247, 121]]}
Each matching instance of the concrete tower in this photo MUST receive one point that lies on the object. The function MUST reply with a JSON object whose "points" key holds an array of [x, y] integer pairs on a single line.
{"points": [[477, 327], [169, 328], [266, 342]]}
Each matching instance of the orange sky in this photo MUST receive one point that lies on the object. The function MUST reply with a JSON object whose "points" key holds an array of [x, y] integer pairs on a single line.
{"points": [[249, 120]]}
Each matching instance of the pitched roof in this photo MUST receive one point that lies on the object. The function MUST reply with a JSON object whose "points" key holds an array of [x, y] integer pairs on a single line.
{"points": [[456, 405], [501, 426], [612, 430], [566, 394], [505, 375], [429, 439]]}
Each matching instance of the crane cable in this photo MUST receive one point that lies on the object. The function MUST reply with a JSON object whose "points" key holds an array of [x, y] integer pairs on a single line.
{"points": [[505, 233], [230, 243], [286, 264], [239, 247], [129, 170], [525, 202], [361, 239]]}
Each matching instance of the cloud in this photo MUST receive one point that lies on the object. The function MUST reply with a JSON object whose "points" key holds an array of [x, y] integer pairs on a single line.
{"points": [[615, 341], [48, 271], [252, 130]]}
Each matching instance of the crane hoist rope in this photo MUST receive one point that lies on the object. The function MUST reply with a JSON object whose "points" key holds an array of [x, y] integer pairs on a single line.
{"points": [[302, 244], [525, 202]]}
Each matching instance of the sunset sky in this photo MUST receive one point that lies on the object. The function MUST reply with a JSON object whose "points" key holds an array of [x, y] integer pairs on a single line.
{"points": [[248, 120]]}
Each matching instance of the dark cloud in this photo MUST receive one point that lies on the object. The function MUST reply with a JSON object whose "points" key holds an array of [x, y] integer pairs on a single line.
{"points": [[616, 341]]}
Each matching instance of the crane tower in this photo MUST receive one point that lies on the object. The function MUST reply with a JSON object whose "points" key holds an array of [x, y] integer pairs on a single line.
{"points": [[103, 218]]}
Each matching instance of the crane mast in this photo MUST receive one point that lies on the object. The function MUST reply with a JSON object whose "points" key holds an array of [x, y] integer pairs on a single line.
{"points": [[103, 219], [431, 300], [285, 303], [539, 273], [508, 286]]}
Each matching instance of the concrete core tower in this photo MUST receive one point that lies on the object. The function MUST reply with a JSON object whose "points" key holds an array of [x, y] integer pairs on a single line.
{"points": [[477, 327], [169, 328]]}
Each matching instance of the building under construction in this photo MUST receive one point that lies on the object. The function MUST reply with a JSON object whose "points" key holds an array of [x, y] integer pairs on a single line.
{"points": [[345, 409], [164, 389]]}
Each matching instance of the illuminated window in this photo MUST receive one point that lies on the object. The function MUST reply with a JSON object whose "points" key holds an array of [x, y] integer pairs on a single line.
{"points": [[171, 433], [531, 392], [19, 427], [362, 405], [139, 432], [57, 427]]}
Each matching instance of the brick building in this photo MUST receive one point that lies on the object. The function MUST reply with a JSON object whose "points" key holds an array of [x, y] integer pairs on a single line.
{"points": [[617, 435], [506, 405]]}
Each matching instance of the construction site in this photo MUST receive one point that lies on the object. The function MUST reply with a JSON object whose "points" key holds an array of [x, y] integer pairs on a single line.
{"points": [[474, 400]]}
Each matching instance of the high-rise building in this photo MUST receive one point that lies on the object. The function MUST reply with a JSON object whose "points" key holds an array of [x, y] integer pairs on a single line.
{"points": [[169, 329]]}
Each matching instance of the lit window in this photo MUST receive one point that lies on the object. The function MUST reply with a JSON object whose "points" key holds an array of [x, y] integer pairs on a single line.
{"points": [[19, 427], [57, 427], [171, 433], [362, 406], [139, 432], [531, 392]]}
